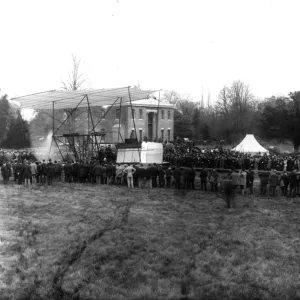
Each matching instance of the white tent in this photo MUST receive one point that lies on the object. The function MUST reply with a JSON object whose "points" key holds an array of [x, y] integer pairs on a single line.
{"points": [[250, 145]]}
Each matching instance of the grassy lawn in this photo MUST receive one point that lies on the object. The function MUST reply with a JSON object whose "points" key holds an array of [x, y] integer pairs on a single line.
{"points": [[87, 242]]}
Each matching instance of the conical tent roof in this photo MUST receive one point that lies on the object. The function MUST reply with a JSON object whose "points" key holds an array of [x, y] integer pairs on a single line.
{"points": [[250, 145]]}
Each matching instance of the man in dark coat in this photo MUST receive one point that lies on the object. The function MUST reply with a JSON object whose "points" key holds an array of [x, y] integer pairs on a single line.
{"points": [[5, 173], [92, 177], [293, 183], [191, 178], [82, 172], [50, 171], [68, 172], [39, 172], [141, 175], [161, 177], [284, 183], [75, 170], [148, 176], [169, 174], [44, 171], [97, 172], [26, 173], [154, 172], [109, 173], [203, 179], [228, 191], [249, 181], [177, 177], [273, 182], [18, 170], [87, 169], [264, 179], [103, 173], [58, 170]]}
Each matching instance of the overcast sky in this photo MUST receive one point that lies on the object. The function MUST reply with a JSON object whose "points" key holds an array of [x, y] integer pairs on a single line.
{"points": [[176, 45]]}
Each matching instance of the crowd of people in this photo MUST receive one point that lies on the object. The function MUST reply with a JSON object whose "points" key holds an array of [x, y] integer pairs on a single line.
{"points": [[30, 172], [187, 165], [186, 154]]}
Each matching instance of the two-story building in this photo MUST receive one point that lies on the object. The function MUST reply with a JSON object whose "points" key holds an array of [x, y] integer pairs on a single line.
{"points": [[151, 118]]}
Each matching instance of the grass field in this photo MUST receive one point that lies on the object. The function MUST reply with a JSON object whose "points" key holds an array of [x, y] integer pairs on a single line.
{"points": [[87, 242]]}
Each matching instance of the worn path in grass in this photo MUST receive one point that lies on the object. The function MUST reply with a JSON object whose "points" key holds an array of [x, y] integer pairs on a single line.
{"points": [[173, 244]]}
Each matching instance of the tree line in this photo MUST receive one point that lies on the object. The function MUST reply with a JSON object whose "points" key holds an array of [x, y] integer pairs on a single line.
{"points": [[235, 113]]}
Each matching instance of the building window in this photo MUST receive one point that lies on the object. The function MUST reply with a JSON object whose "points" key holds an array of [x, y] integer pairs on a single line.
{"points": [[117, 113], [169, 115], [162, 114], [169, 135], [162, 135], [133, 113], [102, 136], [141, 134], [132, 134], [140, 114]]}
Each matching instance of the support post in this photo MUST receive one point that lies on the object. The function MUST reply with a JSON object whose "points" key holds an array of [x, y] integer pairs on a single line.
{"points": [[93, 130], [107, 112], [134, 123], [157, 118], [53, 118], [120, 119], [69, 115]]}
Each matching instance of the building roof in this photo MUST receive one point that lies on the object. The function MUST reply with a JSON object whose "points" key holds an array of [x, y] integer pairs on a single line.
{"points": [[73, 99], [151, 102]]}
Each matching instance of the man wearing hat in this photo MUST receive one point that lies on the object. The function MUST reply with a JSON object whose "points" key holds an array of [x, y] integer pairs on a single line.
{"points": [[33, 169]]}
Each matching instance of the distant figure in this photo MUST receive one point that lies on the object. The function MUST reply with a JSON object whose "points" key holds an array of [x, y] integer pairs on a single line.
{"points": [[129, 171], [249, 181], [242, 178], [229, 191], [284, 183], [273, 182], [5, 173]]}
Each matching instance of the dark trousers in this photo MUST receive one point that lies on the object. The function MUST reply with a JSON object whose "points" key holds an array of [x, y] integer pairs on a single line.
{"points": [[103, 179], [154, 181], [203, 185], [272, 190], [292, 193], [5, 179], [191, 184], [213, 186], [161, 182], [263, 189], [50, 179], [168, 180], [75, 177], [43, 178], [68, 178], [177, 183], [284, 190]]}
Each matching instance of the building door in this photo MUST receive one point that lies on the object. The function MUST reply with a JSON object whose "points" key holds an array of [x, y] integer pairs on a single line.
{"points": [[150, 126]]}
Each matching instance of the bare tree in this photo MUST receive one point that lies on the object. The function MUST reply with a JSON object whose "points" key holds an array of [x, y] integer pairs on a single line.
{"points": [[236, 105], [75, 80]]}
